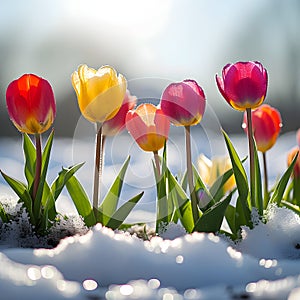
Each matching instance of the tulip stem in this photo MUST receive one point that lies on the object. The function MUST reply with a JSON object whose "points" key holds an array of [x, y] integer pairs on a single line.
{"points": [[98, 168], [157, 164], [190, 174], [251, 154], [266, 193], [38, 165]]}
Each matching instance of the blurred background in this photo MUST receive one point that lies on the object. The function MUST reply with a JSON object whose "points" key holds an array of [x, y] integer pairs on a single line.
{"points": [[162, 40]]}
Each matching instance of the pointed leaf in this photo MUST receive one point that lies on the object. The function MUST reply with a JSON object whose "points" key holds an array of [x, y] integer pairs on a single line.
{"points": [[121, 214], [30, 157], [81, 201], [258, 189], [63, 176], [21, 190], [282, 183], [181, 202], [230, 218], [212, 219], [241, 182], [45, 164], [111, 200]]}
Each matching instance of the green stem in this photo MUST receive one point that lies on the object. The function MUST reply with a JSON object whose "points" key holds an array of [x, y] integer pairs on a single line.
{"points": [[98, 168], [38, 165], [157, 164], [266, 189], [190, 174], [251, 154]]}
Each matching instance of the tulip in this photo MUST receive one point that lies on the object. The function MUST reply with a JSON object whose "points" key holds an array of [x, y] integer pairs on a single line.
{"points": [[244, 87], [100, 92], [31, 107], [243, 84], [183, 103], [210, 170], [117, 123], [149, 126], [266, 124], [31, 104]]}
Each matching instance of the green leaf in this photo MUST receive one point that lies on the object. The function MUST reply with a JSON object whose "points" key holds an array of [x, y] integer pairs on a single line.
{"points": [[282, 183], [241, 182], [21, 190], [293, 207], [63, 176], [81, 201], [111, 200], [296, 190], [121, 214], [211, 219], [217, 189], [3, 215], [181, 202], [257, 175], [48, 209], [30, 157], [230, 218], [45, 164]]}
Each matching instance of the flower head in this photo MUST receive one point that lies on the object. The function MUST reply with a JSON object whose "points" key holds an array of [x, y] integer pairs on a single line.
{"points": [[149, 126], [290, 157], [117, 123], [183, 103], [210, 170], [99, 92], [243, 84], [31, 104], [266, 123]]}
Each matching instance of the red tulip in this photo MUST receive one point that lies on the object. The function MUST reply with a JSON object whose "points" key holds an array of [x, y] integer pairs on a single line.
{"points": [[148, 126], [117, 123], [243, 84], [31, 104], [291, 155], [183, 103], [266, 123]]}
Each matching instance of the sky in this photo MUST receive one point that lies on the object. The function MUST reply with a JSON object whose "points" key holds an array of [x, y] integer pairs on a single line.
{"points": [[165, 40]]}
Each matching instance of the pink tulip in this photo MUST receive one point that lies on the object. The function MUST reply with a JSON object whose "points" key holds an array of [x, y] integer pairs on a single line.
{"points": [[183, 103], [117, 123], [266, 123], [243, 84]]}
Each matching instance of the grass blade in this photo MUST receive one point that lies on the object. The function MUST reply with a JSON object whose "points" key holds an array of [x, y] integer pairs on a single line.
{"points": [[212, 219], [81, 201], [111, 200], [121, 214]]}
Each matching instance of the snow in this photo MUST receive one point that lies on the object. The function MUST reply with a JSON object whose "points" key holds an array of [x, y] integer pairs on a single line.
{"points": [[102, 264]]}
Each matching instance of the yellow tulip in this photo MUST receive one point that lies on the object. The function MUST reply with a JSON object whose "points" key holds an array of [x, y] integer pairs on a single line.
{"points": [[210, 170], [99, 92]]}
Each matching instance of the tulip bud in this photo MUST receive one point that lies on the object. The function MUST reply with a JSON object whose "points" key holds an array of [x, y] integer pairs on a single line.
{"points": [[31, 104], [183, 103], [243, 84], [148, 126], [266, 124], [100, 92]]}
